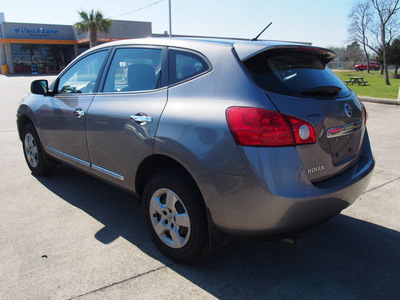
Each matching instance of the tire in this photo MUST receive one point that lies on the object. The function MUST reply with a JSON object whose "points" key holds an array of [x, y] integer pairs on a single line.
{"points": [[175, 216], [38, 161], [357, 69], [373, 69]]}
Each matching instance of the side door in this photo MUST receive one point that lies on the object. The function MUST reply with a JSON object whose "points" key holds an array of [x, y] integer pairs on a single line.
{"points": [[63, 125], [123, 117]]}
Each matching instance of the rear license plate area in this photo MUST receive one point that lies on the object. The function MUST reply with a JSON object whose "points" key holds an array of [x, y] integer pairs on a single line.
{"points": [[342, 149]]}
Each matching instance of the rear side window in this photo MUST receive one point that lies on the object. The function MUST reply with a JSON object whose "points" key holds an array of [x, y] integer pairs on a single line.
{"points": [[184, 65], [295, 73]]}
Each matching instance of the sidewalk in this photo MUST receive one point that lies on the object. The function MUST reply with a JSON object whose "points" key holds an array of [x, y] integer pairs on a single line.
{"points": [[379, 100]]}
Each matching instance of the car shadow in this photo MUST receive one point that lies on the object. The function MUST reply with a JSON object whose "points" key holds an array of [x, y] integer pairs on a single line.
{"points": [[344, 258]]}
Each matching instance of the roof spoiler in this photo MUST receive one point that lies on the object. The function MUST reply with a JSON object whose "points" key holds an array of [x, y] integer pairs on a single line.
{"points": [[248, 50]]}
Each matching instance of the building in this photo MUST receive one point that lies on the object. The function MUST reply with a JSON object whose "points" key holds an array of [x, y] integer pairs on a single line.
{"points": [[27, 48]]}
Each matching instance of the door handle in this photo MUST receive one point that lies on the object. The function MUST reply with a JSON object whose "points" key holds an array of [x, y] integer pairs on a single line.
{"points": [[141, 118], [78, 112]]}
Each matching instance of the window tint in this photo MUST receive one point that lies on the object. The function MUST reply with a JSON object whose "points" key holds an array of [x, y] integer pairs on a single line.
{"points": [[82, 76], [134, 69], [183, 65], [295, 73]]}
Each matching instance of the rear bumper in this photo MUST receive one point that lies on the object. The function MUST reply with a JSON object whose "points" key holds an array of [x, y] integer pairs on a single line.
{"points": [[275, 196]]}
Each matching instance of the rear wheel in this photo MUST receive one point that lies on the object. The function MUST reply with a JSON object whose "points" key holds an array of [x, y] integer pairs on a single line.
{"points": [[175, 217], [38, 161]]}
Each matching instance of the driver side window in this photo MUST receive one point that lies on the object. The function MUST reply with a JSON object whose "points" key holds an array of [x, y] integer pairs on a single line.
{"points": [[134, 69], [82, 76]]}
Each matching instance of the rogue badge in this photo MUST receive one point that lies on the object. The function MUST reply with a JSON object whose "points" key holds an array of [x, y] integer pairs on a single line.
{"points": [[315, 169]]}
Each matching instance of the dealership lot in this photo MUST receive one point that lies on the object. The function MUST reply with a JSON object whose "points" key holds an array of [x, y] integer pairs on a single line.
{"points": [[71, 236]]}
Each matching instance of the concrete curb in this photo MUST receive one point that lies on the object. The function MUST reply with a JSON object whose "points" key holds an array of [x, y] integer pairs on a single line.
{"points": [[379, 100]]}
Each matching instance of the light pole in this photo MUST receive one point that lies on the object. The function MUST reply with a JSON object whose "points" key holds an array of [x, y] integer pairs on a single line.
{"points": [[170, 25]]}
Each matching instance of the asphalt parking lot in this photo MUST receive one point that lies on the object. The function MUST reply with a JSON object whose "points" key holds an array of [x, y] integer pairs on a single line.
{"points": [[70, 236]]}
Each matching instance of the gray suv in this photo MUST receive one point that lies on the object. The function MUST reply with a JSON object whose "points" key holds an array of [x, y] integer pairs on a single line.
{"points": [[217, 138]]}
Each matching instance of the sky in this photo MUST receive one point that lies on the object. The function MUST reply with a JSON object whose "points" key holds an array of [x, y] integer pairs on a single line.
{"points": [[323, 23]]}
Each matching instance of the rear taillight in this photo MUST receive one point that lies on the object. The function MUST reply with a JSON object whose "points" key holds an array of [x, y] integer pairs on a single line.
{"points": [[265, 128], [303, 131], [364, 114]]}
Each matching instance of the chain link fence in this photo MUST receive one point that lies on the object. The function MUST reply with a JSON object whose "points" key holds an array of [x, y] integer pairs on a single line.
{"points": [[338, 65], [345, 65]]}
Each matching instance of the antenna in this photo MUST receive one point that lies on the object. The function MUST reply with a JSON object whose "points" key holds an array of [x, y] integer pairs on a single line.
{"points": [[170, 20], [255, 39]]}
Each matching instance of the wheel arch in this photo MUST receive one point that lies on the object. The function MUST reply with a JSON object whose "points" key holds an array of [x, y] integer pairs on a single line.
{"points": [[158, 162], [23, 120], [154, 164]]}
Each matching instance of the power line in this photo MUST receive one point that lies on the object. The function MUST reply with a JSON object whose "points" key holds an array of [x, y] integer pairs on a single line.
{"points": [[144, 7]]}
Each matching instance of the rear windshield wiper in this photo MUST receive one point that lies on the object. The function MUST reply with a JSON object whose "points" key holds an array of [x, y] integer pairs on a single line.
{"points": [[323, 91]]}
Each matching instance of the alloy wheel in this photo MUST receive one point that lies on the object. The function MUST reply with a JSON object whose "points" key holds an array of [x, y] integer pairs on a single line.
{"points": [[170, 218], [31, 150]]}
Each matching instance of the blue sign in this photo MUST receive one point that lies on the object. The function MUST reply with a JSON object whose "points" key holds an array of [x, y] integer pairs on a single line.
{"points": [[36, 31]]}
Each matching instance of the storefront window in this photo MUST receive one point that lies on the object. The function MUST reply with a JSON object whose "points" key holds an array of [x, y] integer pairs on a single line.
{"points": [[41, 59], [82, 48]]}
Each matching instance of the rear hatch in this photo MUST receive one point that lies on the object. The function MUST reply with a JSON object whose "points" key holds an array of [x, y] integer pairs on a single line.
{"points": [[299, 84]]}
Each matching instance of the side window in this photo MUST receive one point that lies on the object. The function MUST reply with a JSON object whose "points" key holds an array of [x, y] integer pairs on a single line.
{"points": [[134, 69], [184, 65], [81, 77]]}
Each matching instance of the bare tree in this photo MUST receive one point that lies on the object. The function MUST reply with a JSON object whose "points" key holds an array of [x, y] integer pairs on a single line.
{"points": [[361, 19], [386, 9], [377, 46]]}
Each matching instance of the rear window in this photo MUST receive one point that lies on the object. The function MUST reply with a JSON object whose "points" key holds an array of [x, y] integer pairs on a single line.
{"points": [[295, 73]]}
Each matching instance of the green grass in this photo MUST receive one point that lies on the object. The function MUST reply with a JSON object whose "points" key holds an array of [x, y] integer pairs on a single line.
{"points": [[375, 87]]}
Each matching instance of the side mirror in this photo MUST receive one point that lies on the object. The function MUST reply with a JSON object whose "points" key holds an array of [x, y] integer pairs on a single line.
{"points": [[40, 87]]}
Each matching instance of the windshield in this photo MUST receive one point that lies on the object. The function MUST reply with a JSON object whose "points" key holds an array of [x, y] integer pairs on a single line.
{"points": [[295, 73]]}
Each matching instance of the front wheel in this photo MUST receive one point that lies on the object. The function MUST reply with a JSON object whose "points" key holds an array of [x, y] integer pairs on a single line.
{"points": [[357, 69], [175, 216], [38, 161]]}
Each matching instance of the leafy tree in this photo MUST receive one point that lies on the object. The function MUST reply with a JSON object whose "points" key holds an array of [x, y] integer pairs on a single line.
{"points": [[354, 53], [93, 22], [393, 55]]}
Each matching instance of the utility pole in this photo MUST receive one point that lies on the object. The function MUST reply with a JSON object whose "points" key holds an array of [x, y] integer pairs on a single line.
{"points": [[170, 25]]}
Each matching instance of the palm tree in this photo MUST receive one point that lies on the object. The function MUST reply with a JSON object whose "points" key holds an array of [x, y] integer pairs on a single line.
{"points": [[93, 22]]}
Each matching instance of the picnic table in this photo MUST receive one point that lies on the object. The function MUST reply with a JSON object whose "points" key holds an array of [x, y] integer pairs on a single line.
{"points": [[358, 80]]}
